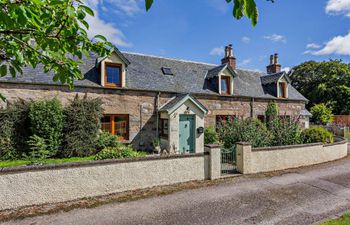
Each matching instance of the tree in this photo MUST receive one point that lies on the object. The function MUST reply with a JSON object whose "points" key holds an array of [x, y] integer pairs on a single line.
{"points": [[321, 114], [48, 32], [324, 82], [241, 8], [271, 112]]}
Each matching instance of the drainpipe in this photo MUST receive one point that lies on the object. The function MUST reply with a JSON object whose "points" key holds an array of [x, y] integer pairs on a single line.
{"points": [[157, 114], [252, 108]]}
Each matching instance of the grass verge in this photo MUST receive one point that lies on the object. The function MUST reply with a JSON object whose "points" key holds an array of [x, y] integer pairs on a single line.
{"points": [[343, 220], [12, 163]]}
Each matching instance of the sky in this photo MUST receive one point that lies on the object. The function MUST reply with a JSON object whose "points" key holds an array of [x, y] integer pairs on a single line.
{"points": [[198, 30]]}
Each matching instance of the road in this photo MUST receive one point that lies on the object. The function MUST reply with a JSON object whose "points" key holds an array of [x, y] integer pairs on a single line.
{"points": [[301, 196]]}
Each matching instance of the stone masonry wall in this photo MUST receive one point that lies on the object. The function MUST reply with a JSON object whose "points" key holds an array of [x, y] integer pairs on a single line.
{"points": [[141, 106]]}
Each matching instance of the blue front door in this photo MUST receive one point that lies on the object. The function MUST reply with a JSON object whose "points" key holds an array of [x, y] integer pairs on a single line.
{"points": [[187, 134]]}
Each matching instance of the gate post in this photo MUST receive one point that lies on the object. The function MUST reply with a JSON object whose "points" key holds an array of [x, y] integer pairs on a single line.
{"points": [[242, 157], [213, 161]]}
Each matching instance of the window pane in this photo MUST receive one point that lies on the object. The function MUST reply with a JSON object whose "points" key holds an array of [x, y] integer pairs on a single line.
{"points": [[113, 74], [121, 126], [106, 124], [281, 90], [165, 127], [225, 85]]}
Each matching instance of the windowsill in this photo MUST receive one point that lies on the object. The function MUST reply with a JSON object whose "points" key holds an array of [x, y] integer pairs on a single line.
{"points": [[124, 141], [112, 85]]}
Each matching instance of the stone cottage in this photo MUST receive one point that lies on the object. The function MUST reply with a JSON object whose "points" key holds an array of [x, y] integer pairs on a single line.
{"points": [[149, 96]]}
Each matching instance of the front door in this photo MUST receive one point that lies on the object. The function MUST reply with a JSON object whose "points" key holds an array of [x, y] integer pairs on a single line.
{"points": [[187, 134]]}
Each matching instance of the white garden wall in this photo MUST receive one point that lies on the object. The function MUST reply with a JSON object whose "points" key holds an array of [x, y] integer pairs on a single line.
{"points": [[24, 186], [256, 160]]}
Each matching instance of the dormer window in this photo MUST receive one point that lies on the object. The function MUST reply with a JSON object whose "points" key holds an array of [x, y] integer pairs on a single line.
{"points": [[282, 90], [225, 85], [113, 74]]}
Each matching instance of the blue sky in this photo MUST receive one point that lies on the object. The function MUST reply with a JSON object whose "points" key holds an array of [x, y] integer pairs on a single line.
{"points": [[198, 30]]}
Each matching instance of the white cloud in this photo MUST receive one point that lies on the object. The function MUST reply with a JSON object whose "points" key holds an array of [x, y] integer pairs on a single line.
{"points": [[99, 26], [338, 45], [245, 40], [129, 7], [286, 69], [313, 45], [276, 38], [338, 7], [245, 62], [217, 51]]}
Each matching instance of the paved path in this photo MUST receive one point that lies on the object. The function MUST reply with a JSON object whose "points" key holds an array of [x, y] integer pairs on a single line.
{"points": [[302, 196]]}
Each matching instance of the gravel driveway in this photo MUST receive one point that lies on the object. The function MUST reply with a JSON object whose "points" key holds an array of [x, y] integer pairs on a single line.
{"points": [[303, 196]]}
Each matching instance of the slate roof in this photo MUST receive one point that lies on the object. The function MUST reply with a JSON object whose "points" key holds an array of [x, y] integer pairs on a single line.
{"points": [[169, 106], [144, 73], [215, 71], [272, 78]]}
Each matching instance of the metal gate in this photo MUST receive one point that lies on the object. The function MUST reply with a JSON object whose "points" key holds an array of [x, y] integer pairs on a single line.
{"points": [[228, 160]]}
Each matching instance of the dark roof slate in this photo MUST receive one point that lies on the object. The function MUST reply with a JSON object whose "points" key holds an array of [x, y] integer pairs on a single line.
{"points": [[273, 78], [144, 73], [179, 97]]}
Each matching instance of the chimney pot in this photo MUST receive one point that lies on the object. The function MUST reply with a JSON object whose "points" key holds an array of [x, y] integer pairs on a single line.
{"points": [[274, 67], [276, 58], [229, 58]]}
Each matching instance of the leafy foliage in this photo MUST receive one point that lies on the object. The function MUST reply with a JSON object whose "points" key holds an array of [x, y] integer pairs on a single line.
{"points": [[248, 130], [324, 82], [271, 112], [317, 134], [321, 114], [38, 149], [13, 133], [156, 142], [121, 151], [285, 131], [106, 140], [81, 126], [210, 136], [48, 32], [46, 121]]}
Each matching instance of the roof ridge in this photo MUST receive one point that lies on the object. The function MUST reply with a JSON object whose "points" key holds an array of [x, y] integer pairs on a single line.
{"points": [[168, 58]]}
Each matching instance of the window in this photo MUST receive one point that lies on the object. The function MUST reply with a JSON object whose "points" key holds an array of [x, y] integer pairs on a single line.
{"points": [[163, 132], [225, 85], [113, 74], [261, 118], [282, 90], [167, 71], [116, 125]]}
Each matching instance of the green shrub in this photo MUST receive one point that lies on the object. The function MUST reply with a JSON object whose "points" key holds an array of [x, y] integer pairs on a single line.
{"points": [[317, 134], [248, 130], [210, 136], [321, 114], [106, 139], [14, 130], [271, 112], [121, 151], [285, 132], [81, 127], [156, 142], [38, 149], [46, 121]]}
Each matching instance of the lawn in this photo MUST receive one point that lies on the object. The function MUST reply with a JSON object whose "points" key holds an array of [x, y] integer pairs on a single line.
{"points": [[343, 220], [12, 163]]}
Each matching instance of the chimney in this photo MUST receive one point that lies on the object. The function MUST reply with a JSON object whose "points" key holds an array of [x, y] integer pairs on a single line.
{"points": [[274, 67], [229, 58]]}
